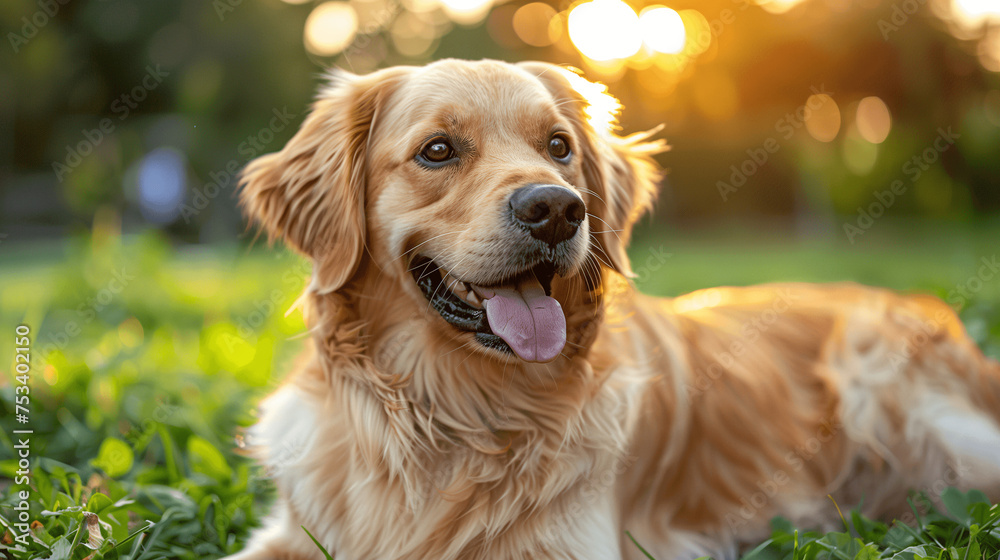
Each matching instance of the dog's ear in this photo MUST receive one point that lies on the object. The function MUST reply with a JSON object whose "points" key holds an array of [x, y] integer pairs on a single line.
{"points": [[311, 194], [621, 171]]}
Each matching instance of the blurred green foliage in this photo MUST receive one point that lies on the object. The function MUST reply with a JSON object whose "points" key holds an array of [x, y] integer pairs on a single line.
{"points": [[146, 366]]}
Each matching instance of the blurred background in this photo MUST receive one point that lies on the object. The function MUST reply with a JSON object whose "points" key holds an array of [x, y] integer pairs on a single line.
{"points": [[814, 140], [143, 109]]}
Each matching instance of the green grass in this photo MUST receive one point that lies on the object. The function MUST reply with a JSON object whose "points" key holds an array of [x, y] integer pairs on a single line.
{"points": [[149, 360], [965, 527]]}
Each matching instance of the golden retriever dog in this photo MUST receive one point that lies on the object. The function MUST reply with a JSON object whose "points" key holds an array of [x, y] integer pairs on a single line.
{"points": [[483, 382]]}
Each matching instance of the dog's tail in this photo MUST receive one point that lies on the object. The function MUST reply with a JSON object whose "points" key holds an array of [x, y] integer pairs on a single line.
{"points": [[952, 347], [970, 432], [991, 380]]}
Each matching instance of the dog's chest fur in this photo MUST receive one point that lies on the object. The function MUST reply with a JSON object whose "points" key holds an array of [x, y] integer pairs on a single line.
{"points": [[357, 476]]}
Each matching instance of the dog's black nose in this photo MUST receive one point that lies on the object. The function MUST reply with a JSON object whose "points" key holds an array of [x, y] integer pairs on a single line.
{"points": [[551, 213]]}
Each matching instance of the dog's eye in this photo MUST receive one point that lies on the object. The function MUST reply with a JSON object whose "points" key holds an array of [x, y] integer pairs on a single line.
{"points": [[436, 152], [559, 148]]}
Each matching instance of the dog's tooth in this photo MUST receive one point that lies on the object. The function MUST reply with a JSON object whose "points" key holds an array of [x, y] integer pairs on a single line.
{"points": [[472, 298]]}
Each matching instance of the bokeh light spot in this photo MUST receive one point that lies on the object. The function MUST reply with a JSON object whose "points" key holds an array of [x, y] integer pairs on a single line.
{"points": [[162, 184], [533, 24], [822, 117], [662, 29], [874, 120], [467, 12], [411, 36], [373, 15], [989, 51], [130, 332], [697, 32], [420, 6], [51, 374], [973, 13], [500, 27], [330, 28], [778, 6], [605, 29]]}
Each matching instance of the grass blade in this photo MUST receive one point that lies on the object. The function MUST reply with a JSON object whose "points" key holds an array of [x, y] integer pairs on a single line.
{"points": [[636, 543], [318, 545]]}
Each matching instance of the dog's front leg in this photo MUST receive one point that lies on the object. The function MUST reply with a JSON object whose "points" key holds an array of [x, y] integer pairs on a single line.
{"points": [[587, 528]]}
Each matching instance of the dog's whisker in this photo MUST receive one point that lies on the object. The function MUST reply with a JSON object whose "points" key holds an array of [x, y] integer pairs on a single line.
{"points": [[462, 346], [438, 267], [548, 372], [596, 217], [592, 193], [503, 393], [422, 243], [604, 262]]}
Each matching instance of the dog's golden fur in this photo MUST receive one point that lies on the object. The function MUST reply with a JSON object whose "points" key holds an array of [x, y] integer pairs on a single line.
{"points": [[688, 422]]}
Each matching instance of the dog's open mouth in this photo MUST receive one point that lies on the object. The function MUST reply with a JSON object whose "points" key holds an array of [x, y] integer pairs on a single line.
{"points": [[515, 315]]}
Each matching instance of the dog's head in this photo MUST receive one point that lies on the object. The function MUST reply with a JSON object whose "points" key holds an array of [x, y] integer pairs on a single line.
{"points": [[493, 194]]}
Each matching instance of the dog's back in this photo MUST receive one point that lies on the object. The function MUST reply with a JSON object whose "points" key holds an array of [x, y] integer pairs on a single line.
{"points": [[764, 400]]}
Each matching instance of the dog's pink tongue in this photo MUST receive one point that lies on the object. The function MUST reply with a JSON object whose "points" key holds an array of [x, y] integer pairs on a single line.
{"points": [[530, 322]]}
